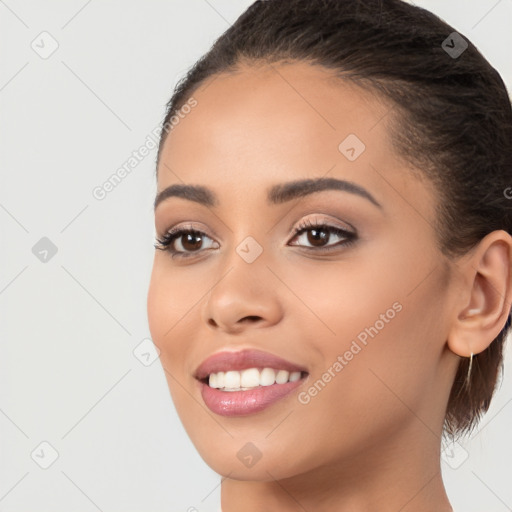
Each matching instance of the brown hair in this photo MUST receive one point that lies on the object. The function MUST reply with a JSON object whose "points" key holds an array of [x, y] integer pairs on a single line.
{"points": [[452, 118]]}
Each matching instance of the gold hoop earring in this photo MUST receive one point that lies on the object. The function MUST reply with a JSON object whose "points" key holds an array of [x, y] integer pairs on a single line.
{"points": [[468, 376]]}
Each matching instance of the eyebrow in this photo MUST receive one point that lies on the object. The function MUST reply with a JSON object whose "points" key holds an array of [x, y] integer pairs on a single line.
{"points": [[277, 194]]}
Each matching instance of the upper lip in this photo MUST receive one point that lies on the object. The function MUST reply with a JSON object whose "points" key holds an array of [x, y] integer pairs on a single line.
{"points": [[243, 359]]}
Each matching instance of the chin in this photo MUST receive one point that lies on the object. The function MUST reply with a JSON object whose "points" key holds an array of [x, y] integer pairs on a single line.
{"points": [[241, 459]]}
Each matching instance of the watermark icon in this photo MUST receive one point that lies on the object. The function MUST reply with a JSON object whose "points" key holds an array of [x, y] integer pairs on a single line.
{"points": [[249, 249], [146, 352], [351, 147], [45, 45], [304, 397], [508, 193], [44, 250], [151, 142], [249, 454], [454, 455], [44, 455], [454, 45]]}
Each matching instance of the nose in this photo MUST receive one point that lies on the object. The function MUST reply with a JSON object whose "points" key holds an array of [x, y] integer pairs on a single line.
{"points": [[239, 302]]}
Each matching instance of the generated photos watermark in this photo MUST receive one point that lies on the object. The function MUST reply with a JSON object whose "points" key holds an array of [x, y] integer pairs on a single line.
{"points": [[357, 345], [100, 192]]}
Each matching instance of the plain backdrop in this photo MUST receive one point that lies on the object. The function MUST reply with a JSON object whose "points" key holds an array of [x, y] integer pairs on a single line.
{"points": [[82, 84]]}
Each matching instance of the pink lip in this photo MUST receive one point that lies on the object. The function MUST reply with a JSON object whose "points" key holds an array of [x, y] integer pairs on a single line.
{"points": [[243, 359], [240, 403]]}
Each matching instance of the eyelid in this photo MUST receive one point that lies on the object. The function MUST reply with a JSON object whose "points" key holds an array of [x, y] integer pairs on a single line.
{"points": [[321, 219], [191, 226]]}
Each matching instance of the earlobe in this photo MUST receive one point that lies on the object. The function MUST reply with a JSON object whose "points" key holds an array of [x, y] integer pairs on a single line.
{"points": [[485, 301]]}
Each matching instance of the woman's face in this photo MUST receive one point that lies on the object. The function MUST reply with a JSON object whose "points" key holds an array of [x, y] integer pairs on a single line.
{"points": [[362, 313]]}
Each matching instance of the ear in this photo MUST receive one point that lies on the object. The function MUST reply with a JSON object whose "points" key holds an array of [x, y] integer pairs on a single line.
{"points": [[485, 297]]}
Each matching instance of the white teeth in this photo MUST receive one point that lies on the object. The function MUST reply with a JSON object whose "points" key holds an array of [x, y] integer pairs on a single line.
{"points": [[216, 380], [282, 376], [251, 378], [294, 376], [267, 377], [232, 380]]}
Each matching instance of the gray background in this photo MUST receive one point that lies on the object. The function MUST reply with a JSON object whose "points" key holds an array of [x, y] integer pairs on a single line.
{"points": [[70, 324]]}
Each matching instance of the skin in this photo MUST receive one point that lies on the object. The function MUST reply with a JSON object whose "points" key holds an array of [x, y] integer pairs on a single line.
{"points": [[370, 439]]}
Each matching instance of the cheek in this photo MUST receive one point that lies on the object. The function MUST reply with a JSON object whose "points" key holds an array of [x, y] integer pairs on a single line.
{"points": [[338, 300], [159, 301], [378, 340], [364, 392], [170, 310], [170, 327]]}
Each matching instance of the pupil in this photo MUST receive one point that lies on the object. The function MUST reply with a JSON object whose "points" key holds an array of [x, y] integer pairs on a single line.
{"points": [[190, 237], [317, 237]]}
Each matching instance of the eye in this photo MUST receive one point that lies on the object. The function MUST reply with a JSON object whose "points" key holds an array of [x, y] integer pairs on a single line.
{"points": [[320, 233], [187, 239], [183, 242]]}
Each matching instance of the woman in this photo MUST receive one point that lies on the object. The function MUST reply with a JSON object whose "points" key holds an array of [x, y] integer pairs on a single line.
{"points": [[333, 281]]}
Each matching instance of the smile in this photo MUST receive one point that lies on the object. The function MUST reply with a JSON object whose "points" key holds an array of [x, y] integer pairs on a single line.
{"points": [[247, 381]]}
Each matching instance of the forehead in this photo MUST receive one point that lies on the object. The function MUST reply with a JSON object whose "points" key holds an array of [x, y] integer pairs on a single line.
{"points": [[273, 108], [265, 124]]}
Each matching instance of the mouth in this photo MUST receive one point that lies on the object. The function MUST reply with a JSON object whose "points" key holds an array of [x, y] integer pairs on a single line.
{"points": [[247, 381]]}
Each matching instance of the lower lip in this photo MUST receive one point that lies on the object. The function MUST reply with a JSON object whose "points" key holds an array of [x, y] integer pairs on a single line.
{"points": [[241, 403]]}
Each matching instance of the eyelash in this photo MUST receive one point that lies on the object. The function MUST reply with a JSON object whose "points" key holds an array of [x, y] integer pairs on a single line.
{"points": [[165, 243]]}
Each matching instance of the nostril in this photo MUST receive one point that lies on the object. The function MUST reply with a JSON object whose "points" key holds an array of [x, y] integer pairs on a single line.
{"points": [[251, 317]]}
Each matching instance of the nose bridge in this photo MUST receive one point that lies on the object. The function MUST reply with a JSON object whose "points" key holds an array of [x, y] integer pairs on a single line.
{"points": [[249, 232], [245, 287], [246, 263]]}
